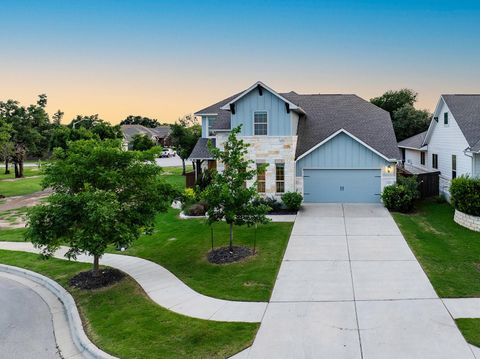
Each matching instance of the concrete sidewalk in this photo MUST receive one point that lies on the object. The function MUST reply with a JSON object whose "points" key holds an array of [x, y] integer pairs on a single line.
{"points": [[349, 287], [165, 289]]}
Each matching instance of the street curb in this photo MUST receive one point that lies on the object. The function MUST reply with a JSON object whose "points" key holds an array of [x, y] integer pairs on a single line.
{"points": [[80, 339]]}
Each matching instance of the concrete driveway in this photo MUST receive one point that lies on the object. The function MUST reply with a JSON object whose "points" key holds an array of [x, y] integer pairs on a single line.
{"points": [[26, 328], [349, 287]]}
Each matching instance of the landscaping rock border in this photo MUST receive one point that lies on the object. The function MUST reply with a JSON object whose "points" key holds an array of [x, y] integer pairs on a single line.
{"points": [[467, 220], [80, 339]]}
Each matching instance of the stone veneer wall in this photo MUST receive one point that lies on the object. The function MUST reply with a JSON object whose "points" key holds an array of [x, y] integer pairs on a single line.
{"points": [[270, 150], [467, 220]]}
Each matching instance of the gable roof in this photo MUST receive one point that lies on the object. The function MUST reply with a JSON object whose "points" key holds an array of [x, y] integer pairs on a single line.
{"points": [[201, 151], [323, 115], [466, 111], [326, 114], [131, 130], [415, 142], [292, 105]]}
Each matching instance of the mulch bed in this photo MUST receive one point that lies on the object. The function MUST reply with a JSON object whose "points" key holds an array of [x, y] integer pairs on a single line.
{"points": [[86, 280], [223, 255]]}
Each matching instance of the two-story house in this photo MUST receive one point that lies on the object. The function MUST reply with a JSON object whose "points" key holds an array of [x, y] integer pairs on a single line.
{"points": [[330, 148], [452, 143]]}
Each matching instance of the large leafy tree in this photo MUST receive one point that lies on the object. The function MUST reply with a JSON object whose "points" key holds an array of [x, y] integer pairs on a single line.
{"points": [[100, 128], [141, 142], [30, 130], [102, 196], [184, 135], [229, 198], [6, 146], [407, 120], [141, 120]]}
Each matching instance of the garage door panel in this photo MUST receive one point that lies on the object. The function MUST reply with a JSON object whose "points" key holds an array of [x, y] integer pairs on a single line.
{"points": [[337, 186]]}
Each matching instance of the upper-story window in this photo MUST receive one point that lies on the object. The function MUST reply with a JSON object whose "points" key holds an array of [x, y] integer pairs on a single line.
{"points": [[445, 118], [422, 158], [210, 122], [435, 160], [260, 123], [454, 166]]}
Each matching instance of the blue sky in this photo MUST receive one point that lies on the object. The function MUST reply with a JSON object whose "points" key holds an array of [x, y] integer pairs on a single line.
{"points": [[167, 58]]}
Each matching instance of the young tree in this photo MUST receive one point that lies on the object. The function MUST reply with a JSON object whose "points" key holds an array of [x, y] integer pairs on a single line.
{"points": [[102, 196], [407, 121], [228, 196], [185, 134], [142, 142]]}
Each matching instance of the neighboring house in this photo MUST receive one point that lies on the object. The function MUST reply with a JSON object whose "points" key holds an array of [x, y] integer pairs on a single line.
{"points": [[452, 143], [160, 134], [330, 148]]}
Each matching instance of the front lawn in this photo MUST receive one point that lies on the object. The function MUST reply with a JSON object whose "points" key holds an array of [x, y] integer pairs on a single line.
{"points": [[173, 175], [449, 253], [12, 235], [181, 246], [122, 320], [27, 172], [21, 186], [470, 329]]}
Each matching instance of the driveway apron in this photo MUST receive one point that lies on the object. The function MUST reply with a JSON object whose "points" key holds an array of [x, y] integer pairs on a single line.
{"points": [[350, 287]]}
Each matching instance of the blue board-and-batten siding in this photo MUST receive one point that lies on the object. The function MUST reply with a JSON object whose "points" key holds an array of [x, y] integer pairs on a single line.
{"points": [[279, 121], [341, 152]]}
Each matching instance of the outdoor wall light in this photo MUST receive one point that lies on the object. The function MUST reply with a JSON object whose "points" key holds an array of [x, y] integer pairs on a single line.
{"points": [[389, 169]]}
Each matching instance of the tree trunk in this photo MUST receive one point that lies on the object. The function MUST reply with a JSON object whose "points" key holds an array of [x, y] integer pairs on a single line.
{"points": [[231, 238], [7, 170], [96, 265], [15, 166], [183, 166], [20, 168]]}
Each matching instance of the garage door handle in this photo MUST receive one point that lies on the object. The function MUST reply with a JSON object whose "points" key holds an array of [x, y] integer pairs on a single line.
{"points": [[306, 193], [306, 176]]}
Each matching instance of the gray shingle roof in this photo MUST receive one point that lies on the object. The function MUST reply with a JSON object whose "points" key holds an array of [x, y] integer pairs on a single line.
{"points": [[131, 130], [200, 151], [466, 111], [415, 141], [325, 115]]}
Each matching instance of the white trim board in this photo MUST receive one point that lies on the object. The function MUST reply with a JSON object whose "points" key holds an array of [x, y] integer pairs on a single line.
{"points": [[352, 136]]}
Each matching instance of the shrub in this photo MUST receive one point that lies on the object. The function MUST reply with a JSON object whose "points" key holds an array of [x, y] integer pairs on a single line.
{"points": [[189, 195], [292, 200], [465, 195], [196, 209], [402, 195], [273, 203]]}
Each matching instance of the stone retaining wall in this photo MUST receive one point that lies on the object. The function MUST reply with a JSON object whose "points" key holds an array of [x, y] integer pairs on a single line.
{"points": [[467, 221]]}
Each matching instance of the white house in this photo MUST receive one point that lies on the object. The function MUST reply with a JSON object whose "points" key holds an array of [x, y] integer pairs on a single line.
{"points": [[452, 143], [330, 148]]}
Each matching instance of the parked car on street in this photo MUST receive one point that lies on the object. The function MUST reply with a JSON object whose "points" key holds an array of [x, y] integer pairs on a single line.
{"points": [[168, 152]]}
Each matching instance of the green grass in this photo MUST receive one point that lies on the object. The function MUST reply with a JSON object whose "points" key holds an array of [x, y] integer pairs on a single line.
{"points": [[470, 329], [20, 187], [173, 175], [27, 172], [449, 253], [181, 246], [122, 321], [12, 235], [12, 215]]}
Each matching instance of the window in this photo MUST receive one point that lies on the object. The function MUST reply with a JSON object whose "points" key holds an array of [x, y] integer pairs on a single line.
{"points": [[260, 123], [422, 158], [261, 177], [280, 178], [454, 166], [210, 122], [435, 161], [445, 118]]}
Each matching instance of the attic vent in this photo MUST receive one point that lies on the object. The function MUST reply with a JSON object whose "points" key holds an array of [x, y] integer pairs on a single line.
{"points": [[260, 90], [232, 108]]}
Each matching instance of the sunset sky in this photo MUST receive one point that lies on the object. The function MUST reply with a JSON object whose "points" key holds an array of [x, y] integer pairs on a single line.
{"points": [[164, 59]]}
